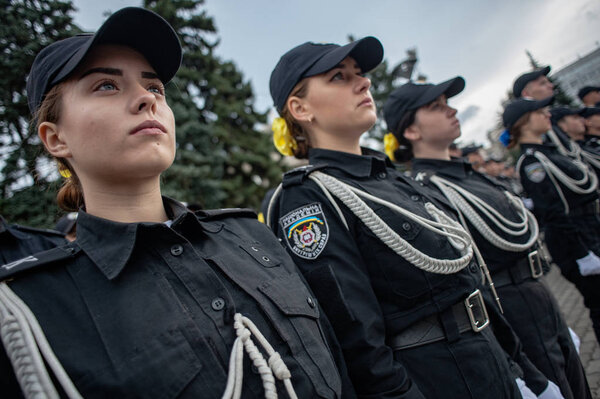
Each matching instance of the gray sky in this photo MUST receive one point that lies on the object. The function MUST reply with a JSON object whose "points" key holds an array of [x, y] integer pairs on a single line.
{"points": [[484, 41]]}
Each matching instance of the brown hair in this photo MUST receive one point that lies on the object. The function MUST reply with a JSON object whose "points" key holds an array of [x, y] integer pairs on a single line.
{"points": [[515, 130], [296, 130], [404, 152], [70, 195]]}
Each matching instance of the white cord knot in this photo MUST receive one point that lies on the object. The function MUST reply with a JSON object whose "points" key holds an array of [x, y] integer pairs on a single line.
{"points": [[278, 366]]}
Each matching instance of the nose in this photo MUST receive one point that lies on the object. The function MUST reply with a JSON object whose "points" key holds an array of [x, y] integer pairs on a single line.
{"points": [[143, 100], [451, 111], [364, 84]]}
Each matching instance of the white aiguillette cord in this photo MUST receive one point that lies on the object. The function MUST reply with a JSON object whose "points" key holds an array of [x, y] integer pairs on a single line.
{"points": [[27, 348]]}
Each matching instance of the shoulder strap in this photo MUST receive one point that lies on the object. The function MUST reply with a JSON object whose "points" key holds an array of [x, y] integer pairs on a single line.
{"points": [[38, 260]]}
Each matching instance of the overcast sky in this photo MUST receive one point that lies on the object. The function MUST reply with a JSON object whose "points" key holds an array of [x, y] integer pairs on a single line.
{"points": [[484, 41]]}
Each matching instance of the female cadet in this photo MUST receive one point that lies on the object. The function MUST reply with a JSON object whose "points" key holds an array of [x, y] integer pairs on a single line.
{"points": [[149, 300], [392, 270], [565, 196], [423, 127]]}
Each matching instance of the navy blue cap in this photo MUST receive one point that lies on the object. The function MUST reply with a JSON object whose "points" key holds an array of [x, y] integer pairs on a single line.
{"points": [[470, 149], [310, 59], [560, 112], [412, 96], [585, 90], [520, 107], [138, 28], [589, 111], [522, 80]]}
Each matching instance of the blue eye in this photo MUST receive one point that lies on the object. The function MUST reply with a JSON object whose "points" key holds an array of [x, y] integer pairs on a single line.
{"points": [[157, 89], [106, 86], [338, 76]]}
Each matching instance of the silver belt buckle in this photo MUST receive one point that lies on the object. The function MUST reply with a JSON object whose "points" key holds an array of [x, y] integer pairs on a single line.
{"points": [[473, 301], [535, 264]]}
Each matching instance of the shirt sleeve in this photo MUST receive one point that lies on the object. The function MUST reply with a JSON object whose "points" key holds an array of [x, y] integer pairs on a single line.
{"points": [[330, 258]]}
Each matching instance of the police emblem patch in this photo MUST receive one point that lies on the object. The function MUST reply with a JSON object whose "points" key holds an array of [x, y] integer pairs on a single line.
{"points": [[305, 230], [535, 172]]}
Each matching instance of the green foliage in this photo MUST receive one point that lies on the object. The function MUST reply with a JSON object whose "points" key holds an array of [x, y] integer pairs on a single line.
{"points": [[27, 26]]}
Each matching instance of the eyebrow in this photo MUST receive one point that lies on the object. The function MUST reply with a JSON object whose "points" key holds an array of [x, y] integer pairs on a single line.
{"points": [[115, 72], [341, 66]]}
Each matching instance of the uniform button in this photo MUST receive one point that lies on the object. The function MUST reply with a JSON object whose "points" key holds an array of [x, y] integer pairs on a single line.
{"points": [[406, 226], [254, 249], [266, 259], [218, 304], [473, 268], [311, 303], [381, 175], [415, 197], [176, 250]]}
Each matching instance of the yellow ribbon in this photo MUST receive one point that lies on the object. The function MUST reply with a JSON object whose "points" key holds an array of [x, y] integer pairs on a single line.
{"points": [[283, 140], [390, 143], [64, 173]]}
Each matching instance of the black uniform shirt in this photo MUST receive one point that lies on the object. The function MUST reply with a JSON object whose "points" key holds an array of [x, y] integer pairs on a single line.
{"points": [[462, 174], [17, 242], [368, 291], [592, 143], [145, 310]]}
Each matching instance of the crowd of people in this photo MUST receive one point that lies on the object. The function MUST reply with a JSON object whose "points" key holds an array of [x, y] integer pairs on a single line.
{"points": [[362, 282]]}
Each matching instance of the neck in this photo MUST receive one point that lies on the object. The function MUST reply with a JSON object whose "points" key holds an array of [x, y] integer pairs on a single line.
{"points": [[430, 152], [593, 132], [125, 203], [336, 142], [531, 137]]}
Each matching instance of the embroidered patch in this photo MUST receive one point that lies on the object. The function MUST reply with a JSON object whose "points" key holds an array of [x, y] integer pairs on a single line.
{"points": [[306, 231], [535, 172]]}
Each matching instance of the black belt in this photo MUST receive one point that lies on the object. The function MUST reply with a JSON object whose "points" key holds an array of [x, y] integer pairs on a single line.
{"points": [[527, 268], [470, 315], [591, 208]]}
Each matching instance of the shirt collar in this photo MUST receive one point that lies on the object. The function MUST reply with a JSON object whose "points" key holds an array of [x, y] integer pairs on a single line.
{"points": [[457, 167], [6, 229], [109, 244], [370, 163]]}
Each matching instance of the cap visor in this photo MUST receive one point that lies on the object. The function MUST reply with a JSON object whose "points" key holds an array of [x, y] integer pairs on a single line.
{"points": [[367, 52], [450, 88]]}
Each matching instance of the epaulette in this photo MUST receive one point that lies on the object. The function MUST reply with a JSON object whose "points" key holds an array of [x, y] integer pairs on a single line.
{"points": [[297, 175], [39, 259], [35, 230], [215, 214], [423, 176]]}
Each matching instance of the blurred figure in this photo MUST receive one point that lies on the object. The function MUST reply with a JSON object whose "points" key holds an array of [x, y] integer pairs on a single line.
{"points": [[473, 155], [67, 225], [534, 84], [590, 96], [569, 121], [454, 151]]}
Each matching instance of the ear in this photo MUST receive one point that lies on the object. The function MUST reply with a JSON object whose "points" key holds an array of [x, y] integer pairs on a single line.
{"points": [[49, 134], [412, 133], [299, 109]]}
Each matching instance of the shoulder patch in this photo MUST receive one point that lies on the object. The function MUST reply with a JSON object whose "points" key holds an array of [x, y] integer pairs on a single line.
{"points": [[305, 230], [213, 214], [39, 259], [535, 172]]}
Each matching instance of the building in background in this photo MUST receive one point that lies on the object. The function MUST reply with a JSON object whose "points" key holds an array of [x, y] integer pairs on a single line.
{"points": [[583, 72]]}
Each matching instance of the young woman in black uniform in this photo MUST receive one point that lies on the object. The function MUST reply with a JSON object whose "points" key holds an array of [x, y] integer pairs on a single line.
{"points": [[565, 196], [391, 269], [423, 126], [151, 300]]}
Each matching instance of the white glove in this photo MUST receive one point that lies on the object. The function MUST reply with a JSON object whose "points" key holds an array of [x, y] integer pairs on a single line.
{"points": [[552, 391], [589, 264], [576, 340], [525, 391]]}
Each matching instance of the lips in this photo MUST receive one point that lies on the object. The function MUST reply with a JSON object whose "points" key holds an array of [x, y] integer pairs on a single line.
{"points": [[149, 127], [366, 101]]}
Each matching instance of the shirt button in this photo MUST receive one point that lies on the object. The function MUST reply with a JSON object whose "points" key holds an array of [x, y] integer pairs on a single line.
{"points": [[406, 226], [415, 197], [176, 250], [381, 175], [473, 268], [218, 304], [311, 303]]}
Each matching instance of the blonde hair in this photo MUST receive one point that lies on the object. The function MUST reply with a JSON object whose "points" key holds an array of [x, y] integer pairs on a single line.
{"points": [[70, 195], [296, 130]]}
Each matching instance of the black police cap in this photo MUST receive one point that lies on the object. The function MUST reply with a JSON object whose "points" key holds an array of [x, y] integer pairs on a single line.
{"points": [[589, 111], [584, 91], [522, 80], [557, 113], [470, 149], [520, 107], [310, 59], [138, 28], [412, 96]]}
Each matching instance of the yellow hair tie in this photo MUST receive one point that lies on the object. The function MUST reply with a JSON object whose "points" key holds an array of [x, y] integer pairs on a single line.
{"points": [[390, 143], [283, 140], [64, 173]]}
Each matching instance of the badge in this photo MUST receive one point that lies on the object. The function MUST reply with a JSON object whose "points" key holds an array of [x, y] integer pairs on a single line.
{"points": [[305, 230], [535, 172]]}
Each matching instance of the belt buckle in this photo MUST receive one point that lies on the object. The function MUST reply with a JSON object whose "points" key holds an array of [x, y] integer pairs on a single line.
{"points": [[535, 264], [472, 302]]}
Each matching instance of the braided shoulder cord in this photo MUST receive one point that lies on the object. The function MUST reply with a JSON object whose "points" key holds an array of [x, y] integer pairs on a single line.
{"points": [[443, 225], [593, 159], [462, 201], [27, 348], [573, 152]]}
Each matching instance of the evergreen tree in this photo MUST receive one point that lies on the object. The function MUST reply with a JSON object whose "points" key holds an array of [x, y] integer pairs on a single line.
{"points": [[224, 158], [27, 26]]}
